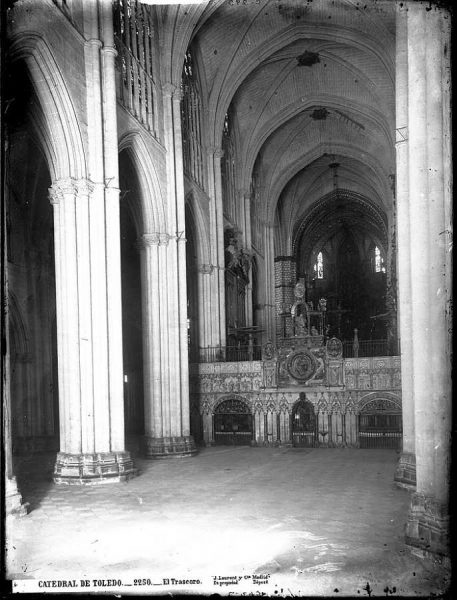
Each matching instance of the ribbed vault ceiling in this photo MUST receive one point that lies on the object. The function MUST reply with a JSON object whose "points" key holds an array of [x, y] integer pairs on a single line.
{"points": [[306, 80]]}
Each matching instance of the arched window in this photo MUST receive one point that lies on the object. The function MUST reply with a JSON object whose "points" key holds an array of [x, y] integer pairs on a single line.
{"points": [[319, 267], [378, 261], [190, 121]]}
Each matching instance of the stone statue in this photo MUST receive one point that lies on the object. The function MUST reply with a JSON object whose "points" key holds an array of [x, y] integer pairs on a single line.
{"points": [[300, 325]]}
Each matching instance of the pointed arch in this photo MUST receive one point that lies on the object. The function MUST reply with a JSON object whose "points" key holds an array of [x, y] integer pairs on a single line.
{"points": [[56, 122], [152, 198], [200, 228]]}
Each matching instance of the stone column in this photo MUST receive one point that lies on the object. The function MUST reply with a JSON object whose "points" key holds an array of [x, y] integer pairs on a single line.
{"points": [[217, 248], [112, 218], [405, 474], [91, 441], [168, 434], [428, 128], [205, 272], [152, 357], [245, 201], [180, 243], [270, 285]]}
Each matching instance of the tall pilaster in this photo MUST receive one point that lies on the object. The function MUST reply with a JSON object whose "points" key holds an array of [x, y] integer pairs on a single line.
{"points": [[91, 441], [428, 82], [217, 249], [270, 299], [151, 315], [205, 275], [405, 474], [181, 268], [112, 217], [245, 203]]}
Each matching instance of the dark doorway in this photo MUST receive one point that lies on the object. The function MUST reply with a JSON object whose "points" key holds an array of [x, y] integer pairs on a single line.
{"points": [[380, 430], [303, 424], [233, 423]]}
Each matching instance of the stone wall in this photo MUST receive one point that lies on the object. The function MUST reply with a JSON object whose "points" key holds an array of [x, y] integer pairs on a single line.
{"points": [[369, 384]]}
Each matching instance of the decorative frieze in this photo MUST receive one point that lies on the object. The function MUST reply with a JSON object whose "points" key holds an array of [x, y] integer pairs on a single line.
{"points": [[303, 371], [373, 373]]}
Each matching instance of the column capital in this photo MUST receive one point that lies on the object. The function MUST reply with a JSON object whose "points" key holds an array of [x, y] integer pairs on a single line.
{"points": [[154, 239], [84, 187], [164, 238], [93, 42], [178, 93], [216, 151], [147, 240], [206, 269], [168, 89], [69, 186], [110, 50], [244, 193], [60, 188]]}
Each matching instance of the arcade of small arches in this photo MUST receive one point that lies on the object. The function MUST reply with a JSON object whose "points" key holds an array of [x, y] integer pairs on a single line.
{"points": [[211, 226]]}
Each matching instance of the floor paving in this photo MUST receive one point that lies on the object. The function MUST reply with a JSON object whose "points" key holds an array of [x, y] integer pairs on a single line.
{"points": [[283, 521]]}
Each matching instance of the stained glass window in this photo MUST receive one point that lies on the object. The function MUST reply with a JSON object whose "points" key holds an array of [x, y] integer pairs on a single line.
{"points": [[378, 261], [319, 267]]}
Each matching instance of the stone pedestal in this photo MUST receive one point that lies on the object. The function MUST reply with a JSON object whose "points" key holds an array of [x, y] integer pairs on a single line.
{"points": [[97, 467], [405, 473], [13, 499], [428, 525], [169, 447]]}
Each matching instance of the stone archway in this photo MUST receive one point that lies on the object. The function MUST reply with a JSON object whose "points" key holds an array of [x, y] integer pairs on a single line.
{"points": [[303, 424], [380, 424], [233, 423], [32, 344]]}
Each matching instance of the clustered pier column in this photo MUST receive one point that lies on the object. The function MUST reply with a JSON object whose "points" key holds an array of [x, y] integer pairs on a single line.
{"points": [[428, 200], [90, 381], [166, 411], [166, 369], [88, 282]]}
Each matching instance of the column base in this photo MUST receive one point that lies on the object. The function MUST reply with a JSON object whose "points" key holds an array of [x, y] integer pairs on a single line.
{"points": [[405, 473], [427, 526], [169, 447], [91, 469], [14, 506]]}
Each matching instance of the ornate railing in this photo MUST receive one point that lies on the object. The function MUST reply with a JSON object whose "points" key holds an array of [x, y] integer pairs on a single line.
{"points": [[351, 349], [366, 348], [212, 354]]}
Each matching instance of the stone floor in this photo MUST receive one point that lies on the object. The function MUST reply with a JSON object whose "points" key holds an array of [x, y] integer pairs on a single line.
{"points": [[316, 522]]}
